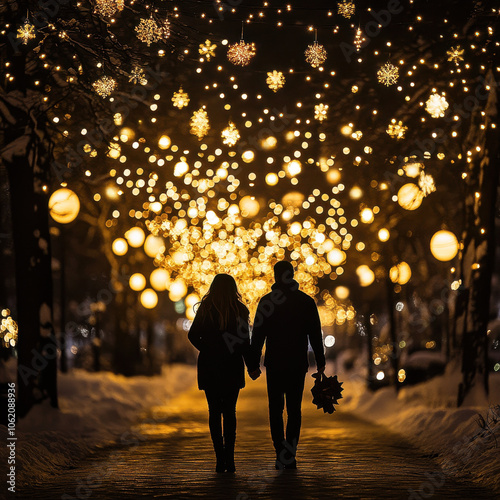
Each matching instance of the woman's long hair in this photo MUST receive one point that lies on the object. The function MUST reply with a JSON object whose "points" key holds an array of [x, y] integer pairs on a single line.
{"points": [[222, 301]]}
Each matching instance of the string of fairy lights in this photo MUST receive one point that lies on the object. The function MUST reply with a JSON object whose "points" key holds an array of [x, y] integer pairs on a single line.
{"points": [[201, 199]]}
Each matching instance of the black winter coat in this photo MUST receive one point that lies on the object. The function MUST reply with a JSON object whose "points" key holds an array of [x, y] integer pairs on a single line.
{"points": [[287, 320], [222, 357]]}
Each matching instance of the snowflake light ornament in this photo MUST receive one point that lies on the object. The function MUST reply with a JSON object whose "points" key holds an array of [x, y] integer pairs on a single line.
{"points": [[396, 129], [230, 135], [165, 28], [138, 76], [240, 54], [199, 124], [359, 39], [426, 183], [436, 105], [207, 49], [455, 54], [108, 8], [180, 98], [320, 111], [26, 32], [346, 8], [104, 86], [148, 31], [388, 74], [275, 80], [315, 54]]}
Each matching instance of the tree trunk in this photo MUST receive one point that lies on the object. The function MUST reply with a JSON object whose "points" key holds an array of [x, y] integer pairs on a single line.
{"points": [[26, 165], [479, 249]]}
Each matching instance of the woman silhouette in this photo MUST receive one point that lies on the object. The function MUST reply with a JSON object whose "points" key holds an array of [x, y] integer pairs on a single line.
{"points": [[220, 332]]}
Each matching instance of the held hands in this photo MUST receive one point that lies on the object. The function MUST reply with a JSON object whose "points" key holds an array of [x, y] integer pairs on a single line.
{"points": [[254, 375]]}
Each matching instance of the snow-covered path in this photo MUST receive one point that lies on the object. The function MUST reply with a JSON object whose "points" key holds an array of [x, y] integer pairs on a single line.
{"points": [[169, 455]]}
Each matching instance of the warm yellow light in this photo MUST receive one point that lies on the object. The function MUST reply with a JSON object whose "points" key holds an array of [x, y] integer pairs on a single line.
{"points": [[400, 273], [384, 234], [269, 143], [111, 192], [293, 199], [149, 298], [295, 228], [180, 168], [160, 279], [233, 210], [156, 206], [137, 282], [346, 130], [333, 176], [356, 193], [64, 206], [410, 196], [272, 179], [249, 206], [366, 275], [178, 289], [126, 134], [335, 257], [248, 156], [444, 245], [293, 168], [119, 246], [191, 300], [342, 292], [135, 237], [153, 245], [367, 216], [164, 142], [190, 314]]}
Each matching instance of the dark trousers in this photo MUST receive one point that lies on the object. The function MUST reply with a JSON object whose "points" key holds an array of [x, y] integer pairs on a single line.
{"points": [[283, 388], [222, 407]]}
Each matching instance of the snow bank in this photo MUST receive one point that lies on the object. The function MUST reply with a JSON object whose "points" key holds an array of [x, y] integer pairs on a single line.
{"points": [[426, 414], [95, 409]]}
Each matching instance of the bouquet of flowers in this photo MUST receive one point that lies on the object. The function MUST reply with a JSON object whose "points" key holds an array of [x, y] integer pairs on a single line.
{"points": [[326, 392]]}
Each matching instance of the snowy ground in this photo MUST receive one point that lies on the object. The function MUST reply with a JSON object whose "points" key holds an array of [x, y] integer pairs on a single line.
{"points": [[426, 414], [95, 409]]}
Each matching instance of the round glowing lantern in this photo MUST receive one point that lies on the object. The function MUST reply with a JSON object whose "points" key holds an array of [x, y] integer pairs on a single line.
{"points": [[135, 237], [410, 197], [177, 290], [335, 257], [342, 292], [137, 282], [119, 246], [295, 228], [160, 279], [149, 298], [366, 275], [355, 193], [249, 206], [190, 314], [153, 245], [64, 206], [444, 245], [400, 273]]}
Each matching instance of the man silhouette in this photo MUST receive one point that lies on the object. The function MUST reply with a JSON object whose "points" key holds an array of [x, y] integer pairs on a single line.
{"points": [[286, 319]]}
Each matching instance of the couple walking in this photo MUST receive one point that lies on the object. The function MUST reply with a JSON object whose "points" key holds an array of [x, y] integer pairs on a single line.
{"points": [[286, 321]]}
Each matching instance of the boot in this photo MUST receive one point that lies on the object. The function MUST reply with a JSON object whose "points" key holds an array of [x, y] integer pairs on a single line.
{"points": [[229, 454], [219, 455]]}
